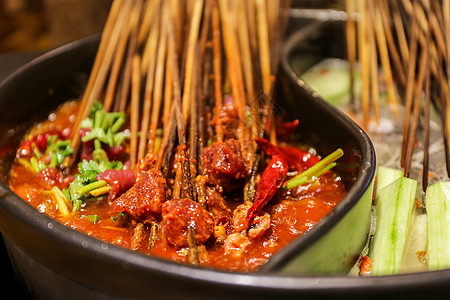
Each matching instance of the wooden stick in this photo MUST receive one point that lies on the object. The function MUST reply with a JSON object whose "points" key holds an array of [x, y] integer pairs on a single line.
{"points": [[400, 33], [264, 47], [134, 118], [416, 111], [190, 56], [151, 10], [426, 112], [118, 61], [150, 51], [235, 74], [168, 92], [187, 187], [445, 99], [102, 62], [375, 93], [393, 52], [247, 65], [350, 28], [217, 67], [410, 86], [364, 60], [385, 63], [157, 93], [151, 43]]}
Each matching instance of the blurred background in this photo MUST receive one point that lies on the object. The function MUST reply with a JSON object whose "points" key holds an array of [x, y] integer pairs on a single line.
{"points": [[31, 25]]}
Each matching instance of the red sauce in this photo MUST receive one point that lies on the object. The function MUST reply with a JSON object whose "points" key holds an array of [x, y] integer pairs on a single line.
{"points": [[292, 213]]}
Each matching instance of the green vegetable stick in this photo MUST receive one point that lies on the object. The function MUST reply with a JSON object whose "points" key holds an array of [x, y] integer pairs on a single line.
{"points": [[302, 178], [386, 176], [394, 208], [438, 225]]}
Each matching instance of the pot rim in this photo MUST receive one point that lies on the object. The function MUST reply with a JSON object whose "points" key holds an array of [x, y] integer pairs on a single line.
{"points": [[14, 208]]}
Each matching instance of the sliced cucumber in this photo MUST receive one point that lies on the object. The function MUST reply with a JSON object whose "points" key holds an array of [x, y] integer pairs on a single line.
{"points": [[386, 176], [438, 225], [330, 79], [394, 207]]}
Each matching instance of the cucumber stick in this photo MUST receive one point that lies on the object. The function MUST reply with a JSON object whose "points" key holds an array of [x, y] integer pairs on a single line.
{"points": [[438, 225], [386, 176], [394, 208]]}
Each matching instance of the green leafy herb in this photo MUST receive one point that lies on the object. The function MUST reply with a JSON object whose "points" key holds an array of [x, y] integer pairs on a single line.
{"points": [[85, 180], [58, 150], [104, 126]]}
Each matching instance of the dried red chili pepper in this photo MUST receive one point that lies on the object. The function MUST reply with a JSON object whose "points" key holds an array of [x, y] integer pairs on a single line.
{"points": [[302, 157], [271, 180], [296, 158], [286, 130]]}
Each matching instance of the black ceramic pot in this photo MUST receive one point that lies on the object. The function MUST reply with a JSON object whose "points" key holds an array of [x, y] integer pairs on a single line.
{"points": [[56, 262]]}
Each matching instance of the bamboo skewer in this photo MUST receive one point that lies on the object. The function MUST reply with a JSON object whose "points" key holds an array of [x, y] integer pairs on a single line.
{"points": [[102, 61], [351, 49], [400, 32], [416, 111], [190, 56], [364, 60], [385, 64], [158, 90], [235, 76], [150, 50], [135, 94], [410, 87], [393, 52], [426, 112], [374, 84], [217, 65]]}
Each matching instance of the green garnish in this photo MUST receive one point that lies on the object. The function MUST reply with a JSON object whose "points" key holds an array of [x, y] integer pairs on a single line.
{"points": [[92, 218], [26, 164], [91, 186], [85, 181], [104, 126], [315, 171], [61, 200], [37, 164], [58, 150]]}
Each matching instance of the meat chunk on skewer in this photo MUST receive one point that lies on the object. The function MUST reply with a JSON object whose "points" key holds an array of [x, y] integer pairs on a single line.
{"points": [[181, 214], [216, 204], [224, 164], [144, 200]]}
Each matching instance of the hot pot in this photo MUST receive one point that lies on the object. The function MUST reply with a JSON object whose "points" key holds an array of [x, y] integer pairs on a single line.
{"points": [[56, 262]]}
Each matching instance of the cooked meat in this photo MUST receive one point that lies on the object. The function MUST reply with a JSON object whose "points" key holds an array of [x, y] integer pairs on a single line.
{"points": [[224, 164], [260, 224], [119, 181], [236, 244], [216, 204], [144, 200], [50, 177], [228, 118], [180, 214], [239, 216]]}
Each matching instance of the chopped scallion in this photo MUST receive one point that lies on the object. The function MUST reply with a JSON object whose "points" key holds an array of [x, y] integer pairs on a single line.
{"points": [[315, 171], [92, 218]]}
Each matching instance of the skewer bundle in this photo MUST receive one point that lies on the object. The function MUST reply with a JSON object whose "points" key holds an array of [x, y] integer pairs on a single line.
{"points": [[157, 60], [410, 40], [172, 66]]}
